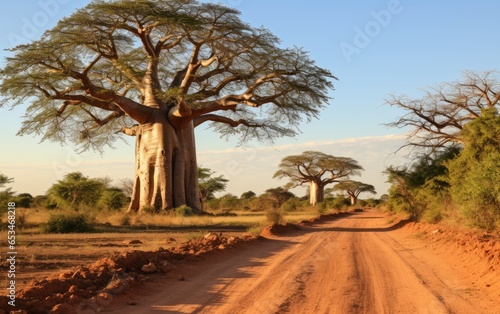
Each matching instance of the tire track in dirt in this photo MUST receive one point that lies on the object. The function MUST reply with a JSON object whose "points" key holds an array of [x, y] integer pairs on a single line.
{"points": [[355, 264]]}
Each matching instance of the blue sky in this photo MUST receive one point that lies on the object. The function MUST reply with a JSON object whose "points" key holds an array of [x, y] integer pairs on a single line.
{"points": [[376, 48]]}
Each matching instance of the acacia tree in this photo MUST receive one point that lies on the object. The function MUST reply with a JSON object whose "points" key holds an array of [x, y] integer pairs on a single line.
{"points": [[278, 196], [317, 169], [209, 185], [74, 190], [354, 189], [5, 180], [7, 194], [156, 70], [436, 120]]}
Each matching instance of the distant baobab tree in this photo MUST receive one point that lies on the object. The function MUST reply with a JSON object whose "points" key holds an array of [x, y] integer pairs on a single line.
{"points": [[316, 169]]}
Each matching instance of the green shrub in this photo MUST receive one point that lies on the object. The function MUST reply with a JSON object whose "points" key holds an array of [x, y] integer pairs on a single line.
{"points": [[339, 202], [475, 173], [291, 205], [112, 198], [322, 207], [434, 215], [184, 211], [69, 223], [275, 215]]}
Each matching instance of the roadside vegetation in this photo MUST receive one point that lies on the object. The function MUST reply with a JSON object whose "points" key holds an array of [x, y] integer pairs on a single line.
{"points": [[79, 204], [455, 128]]}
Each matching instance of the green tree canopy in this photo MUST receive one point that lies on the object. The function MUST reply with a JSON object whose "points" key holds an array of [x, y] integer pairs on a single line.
{"points": [[248, 195], [6, 194], [475, 173], [210, 185], [91, 74], [24, 200], [278, 196], [75, 190], [5, 180], [112, 198], [414, 186]]}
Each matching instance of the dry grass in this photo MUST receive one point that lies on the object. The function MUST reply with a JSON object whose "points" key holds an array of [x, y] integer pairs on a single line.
{"points": [[43, 254], [164, 220], [32, 218]]}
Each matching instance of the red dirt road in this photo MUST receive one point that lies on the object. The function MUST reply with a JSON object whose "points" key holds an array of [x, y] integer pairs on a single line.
{"points": [[355, 264]]}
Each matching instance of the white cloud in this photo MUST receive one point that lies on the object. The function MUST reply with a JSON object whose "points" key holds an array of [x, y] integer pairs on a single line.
{"points": [[247, 169]]}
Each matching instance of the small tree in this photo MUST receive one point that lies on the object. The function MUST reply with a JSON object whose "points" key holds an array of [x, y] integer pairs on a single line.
{"points": [[7, 194], [229, 201], [24, 200], [248, 195], [278, 196], [401, 193], [354, 189], [75, 190], [317, 170], [209, 185], [417, 187]]}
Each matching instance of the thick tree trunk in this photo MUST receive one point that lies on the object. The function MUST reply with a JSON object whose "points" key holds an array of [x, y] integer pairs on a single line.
{"points": [[166, 169], [313, 192], [353, 199], [316, 193]]}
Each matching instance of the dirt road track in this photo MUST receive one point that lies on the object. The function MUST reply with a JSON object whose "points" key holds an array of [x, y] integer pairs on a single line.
{"points": [[356, 264]]}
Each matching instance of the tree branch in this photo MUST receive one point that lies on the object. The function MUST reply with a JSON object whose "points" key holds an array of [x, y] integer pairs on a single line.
{"points": [[216, 118]]}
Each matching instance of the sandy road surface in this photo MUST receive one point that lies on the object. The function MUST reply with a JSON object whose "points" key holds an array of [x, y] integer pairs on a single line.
{"points": [[356, 264]]}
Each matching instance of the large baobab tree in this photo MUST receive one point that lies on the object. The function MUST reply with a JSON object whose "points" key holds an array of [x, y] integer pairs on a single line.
{"points": [[436, 119], [354, 189], [156, 70], [316, 169]]}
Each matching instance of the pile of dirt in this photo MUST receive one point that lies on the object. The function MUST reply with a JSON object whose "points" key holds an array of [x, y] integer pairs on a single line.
{"points": [[277, 229], [109, 276], [478, 249]]}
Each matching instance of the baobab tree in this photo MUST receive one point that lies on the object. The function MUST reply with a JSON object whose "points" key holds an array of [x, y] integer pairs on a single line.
{"points": [[436, 119], [316, 169], [156, 70], [354, 189]]}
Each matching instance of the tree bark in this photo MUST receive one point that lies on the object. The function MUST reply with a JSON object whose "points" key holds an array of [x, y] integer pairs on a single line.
{"points": [[165, 166], [353, 199], [316, 192], [313, 193]]}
